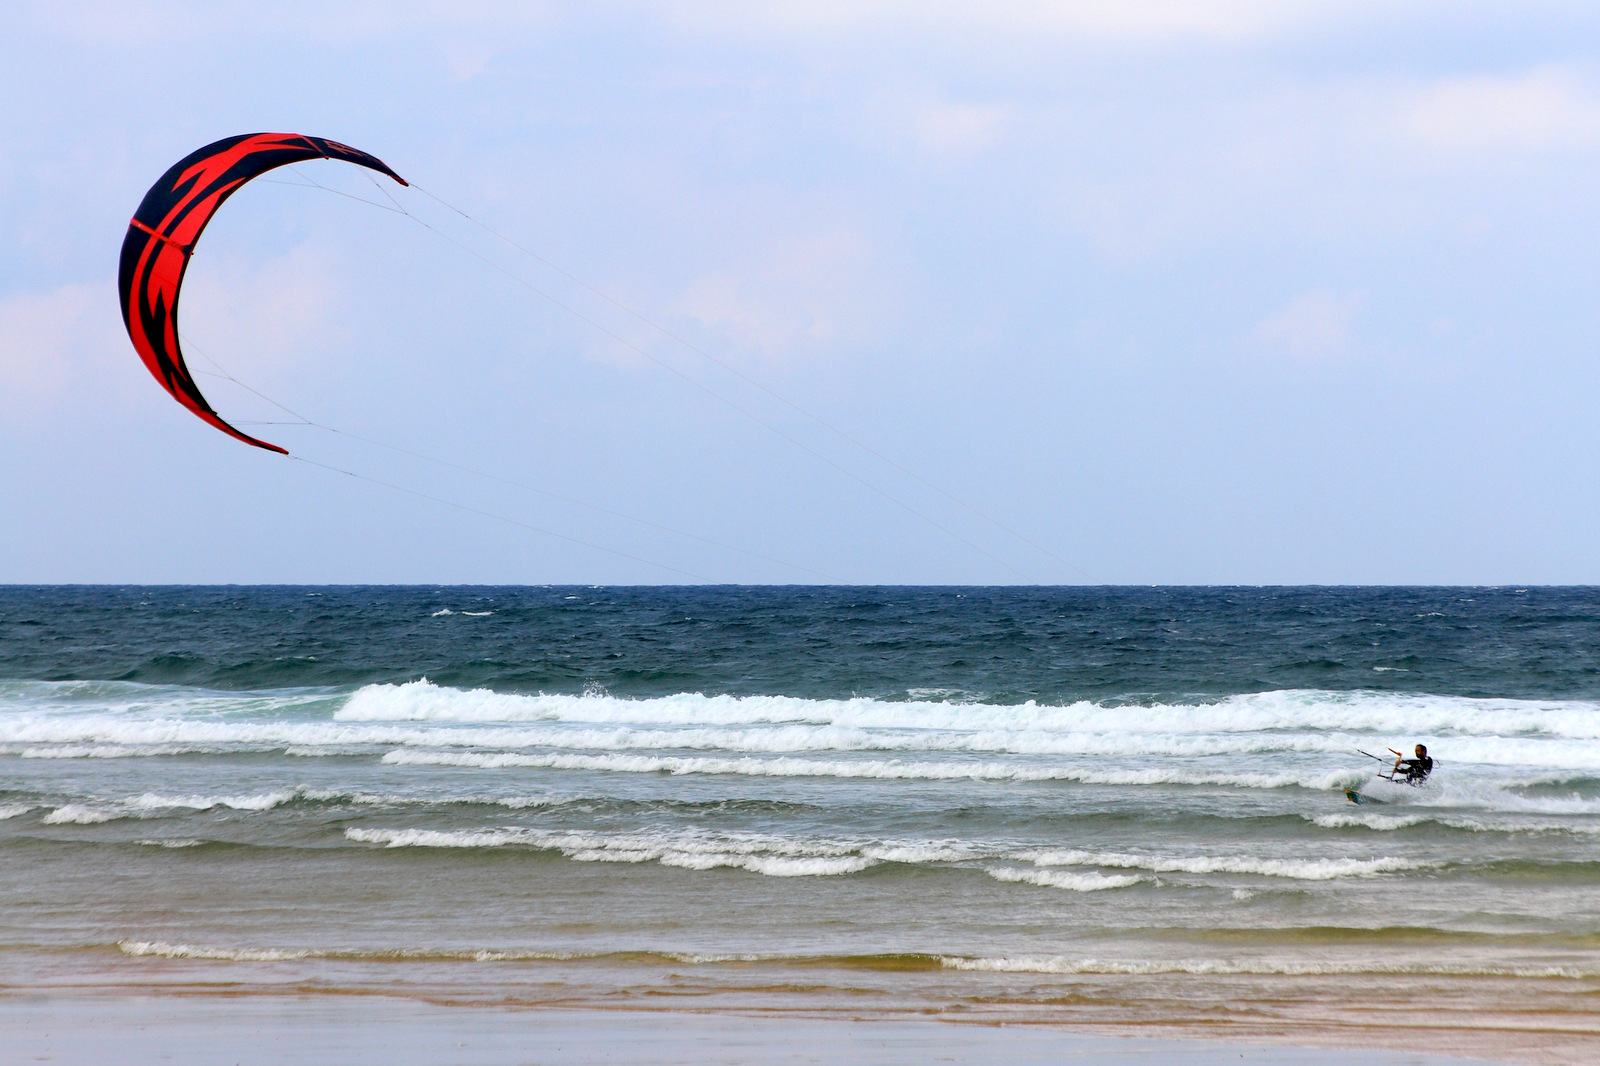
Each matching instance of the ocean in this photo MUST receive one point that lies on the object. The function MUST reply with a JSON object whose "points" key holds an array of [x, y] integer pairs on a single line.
{"points": [[1110, 807]]}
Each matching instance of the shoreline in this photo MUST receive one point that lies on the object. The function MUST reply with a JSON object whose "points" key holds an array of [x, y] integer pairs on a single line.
{"points": [[193, 1026], [1543, 1021], [189, 1022]]}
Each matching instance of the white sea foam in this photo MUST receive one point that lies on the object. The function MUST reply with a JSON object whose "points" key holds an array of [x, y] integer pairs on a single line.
{"points": [[780, 856], [1275, 740], [1389, 823], [516, 803], [1086, 882], [1381, 714], [85, 751], [1447, 793], [1297, 869], [81, 814], [1025, 964], [1367, 820], [151, 804], [1062, 964], [79, 721], [758, 853], [13, 810], [876, 769], [920, 853], [172, 843], [260, 802], [127, 720], [165, 950], [770, 865], [434, 838]]}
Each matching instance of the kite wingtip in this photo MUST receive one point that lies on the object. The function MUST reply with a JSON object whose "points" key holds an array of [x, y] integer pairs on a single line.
{"points": [[263, 445]]}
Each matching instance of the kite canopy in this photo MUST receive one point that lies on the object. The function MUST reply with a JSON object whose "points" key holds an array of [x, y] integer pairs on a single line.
{"points": [[163, 233]]}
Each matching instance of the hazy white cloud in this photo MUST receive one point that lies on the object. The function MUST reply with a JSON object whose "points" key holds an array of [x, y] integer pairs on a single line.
{"points": [[823, 289], [314, 21], [958, 129], [1122, 21], [468, 59], [928, 123], [54, 339], [256, 318], [1141, 217], [1314, 326], [1550, 109]]}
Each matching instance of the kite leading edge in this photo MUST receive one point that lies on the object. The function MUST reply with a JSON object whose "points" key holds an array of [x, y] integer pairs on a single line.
{"points": [[163, 233]]}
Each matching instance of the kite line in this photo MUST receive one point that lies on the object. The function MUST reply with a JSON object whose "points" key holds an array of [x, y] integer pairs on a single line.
{"points": [[735, 371], [301, 420], [663, 364]]}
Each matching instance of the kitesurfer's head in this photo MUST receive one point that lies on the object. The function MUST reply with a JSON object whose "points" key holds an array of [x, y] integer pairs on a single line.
{"points": [[1422, 751]]}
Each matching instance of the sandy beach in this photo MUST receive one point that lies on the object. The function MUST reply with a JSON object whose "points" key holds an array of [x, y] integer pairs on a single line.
{"points": [[211, 1028]]}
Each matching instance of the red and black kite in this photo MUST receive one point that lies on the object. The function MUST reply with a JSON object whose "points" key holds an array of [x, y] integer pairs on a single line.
{"points": [[163, 233]]}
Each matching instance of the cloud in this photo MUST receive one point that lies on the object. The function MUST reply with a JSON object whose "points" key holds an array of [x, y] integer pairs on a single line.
{"points": [[1129, 21], [1549, 109], [256, 317], [927, 123], [1100, 21], [958, 129], [467, 61], [53, 340], [315, 21], [811, 290], [1314, 326]]}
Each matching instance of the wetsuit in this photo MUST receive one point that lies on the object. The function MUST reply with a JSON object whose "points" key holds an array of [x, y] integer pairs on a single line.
{"points": [[1416, 770]]}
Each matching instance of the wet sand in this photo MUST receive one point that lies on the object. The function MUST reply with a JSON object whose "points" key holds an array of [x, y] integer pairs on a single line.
{"points": [[206, 1029], [131, 1004]]}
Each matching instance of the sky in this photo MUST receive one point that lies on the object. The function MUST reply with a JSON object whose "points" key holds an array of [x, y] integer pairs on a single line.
{"points": [[884, 293]]}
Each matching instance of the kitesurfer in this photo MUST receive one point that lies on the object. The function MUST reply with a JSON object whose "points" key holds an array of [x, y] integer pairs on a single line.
{"points": [[1414, 770]]}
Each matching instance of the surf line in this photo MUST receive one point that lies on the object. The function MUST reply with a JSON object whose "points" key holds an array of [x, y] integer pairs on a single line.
{"points": [[302, 420], [871, 486]]}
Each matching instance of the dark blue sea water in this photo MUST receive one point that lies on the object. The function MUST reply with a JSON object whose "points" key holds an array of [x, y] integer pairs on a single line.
{"points": [[1133, 801], [1002, 645]]}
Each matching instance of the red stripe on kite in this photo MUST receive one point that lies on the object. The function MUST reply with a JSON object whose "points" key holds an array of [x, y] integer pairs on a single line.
{"points": [[162, 233]]}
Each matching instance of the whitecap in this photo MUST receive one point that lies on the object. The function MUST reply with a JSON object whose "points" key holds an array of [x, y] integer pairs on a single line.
{"points": [[165, 950], [1062, 964], [1296, 869], [1075, 882], [757, 853], [81, 814], [874, 769]]}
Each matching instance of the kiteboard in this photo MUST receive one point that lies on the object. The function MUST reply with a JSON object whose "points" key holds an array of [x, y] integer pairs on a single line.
{"points": [[1355, 797]]}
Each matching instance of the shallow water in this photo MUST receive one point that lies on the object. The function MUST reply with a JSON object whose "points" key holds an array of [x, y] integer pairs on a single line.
{"points": [[1095, 805]]}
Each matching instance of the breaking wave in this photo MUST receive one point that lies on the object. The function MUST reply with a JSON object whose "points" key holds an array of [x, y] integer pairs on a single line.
{"points": [[1061, 964]]}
